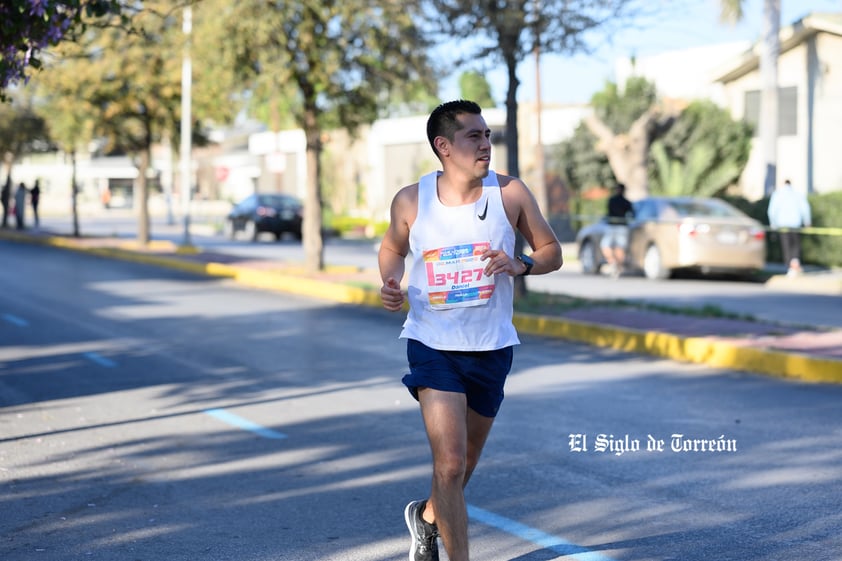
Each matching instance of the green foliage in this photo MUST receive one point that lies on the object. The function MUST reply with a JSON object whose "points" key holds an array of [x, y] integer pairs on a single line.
{"points": [[27, 27], [131, 98], [22, 130], [702, 153], [731, 11], [474, 86], [588, 210], [580, 166], [618, 109], [698, 175], [576, 160], [126, 85], [356, 226], [509, 32], [324, 65], [823, 249]]}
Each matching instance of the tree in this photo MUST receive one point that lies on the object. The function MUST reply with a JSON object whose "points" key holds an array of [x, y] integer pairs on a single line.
{"points": [[22, 131], [27, 27], [702, 153], [474, 86], [625, 124], [510, 31], [579, 164], [131, 84], [69, 121], [732, 11], [124, 87], [327, 65]]}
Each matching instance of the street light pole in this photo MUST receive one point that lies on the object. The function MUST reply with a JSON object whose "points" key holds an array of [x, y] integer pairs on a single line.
{"points": [[186, 128]]}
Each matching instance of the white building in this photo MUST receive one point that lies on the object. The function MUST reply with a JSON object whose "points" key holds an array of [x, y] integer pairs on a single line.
{"points": [[809, 105], [810, 92]]}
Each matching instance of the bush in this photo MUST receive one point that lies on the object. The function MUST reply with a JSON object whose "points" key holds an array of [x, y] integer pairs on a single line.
{"points": [[824, 249], [816, 249], [586, 211], [358, 226]]}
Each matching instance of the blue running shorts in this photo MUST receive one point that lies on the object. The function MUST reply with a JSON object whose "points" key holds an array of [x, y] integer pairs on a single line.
{"points": [[480, 375]]}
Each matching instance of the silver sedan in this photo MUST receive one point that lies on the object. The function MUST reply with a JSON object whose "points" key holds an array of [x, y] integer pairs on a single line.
{"points": [[674, 233]]}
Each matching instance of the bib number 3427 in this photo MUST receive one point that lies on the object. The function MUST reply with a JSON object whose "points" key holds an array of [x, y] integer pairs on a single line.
{"points": [[456, 276]]}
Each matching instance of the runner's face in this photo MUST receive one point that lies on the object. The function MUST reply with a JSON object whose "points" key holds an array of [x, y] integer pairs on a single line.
{"points": [[471, 146]]}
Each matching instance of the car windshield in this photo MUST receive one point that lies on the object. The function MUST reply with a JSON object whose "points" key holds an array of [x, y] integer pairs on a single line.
{"points": [[275, 200], [704, 208]]}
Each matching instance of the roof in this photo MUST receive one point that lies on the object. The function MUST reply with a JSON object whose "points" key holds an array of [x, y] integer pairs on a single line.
{"points": [[790, 37]]}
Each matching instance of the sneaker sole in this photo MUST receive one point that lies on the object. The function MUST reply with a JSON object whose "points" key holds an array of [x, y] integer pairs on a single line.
{"points": [[406, 518]]}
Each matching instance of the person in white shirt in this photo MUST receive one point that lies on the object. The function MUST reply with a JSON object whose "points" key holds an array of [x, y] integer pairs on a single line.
{"points": [[459, 226], [788, 212]]}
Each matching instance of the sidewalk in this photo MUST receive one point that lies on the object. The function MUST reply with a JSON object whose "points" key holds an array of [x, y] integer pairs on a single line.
{"points": [[809, 355]]}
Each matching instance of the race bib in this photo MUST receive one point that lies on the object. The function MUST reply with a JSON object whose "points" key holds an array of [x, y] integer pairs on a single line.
{"points": [[456, 276]]}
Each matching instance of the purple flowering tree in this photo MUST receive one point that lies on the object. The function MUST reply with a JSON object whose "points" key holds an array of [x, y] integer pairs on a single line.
{"points": [[28, 27]]}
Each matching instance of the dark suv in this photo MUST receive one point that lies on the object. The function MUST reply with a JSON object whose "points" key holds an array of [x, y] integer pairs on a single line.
{"points": [[265, 212]]}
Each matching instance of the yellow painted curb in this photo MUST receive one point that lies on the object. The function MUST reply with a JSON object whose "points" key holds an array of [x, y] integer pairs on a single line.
{"points": [[703, 350]]}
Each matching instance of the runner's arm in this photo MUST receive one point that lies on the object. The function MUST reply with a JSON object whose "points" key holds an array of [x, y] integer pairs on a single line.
{"points": [[395, 247]]}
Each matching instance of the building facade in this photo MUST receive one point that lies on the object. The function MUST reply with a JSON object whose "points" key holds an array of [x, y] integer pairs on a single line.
{"points": [[809, 105]]}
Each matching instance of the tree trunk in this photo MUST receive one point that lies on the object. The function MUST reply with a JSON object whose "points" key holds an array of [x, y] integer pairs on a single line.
{"points": [[628, 153], [74, 194], [512, 147], [312, 227], [769, 94], [141, 198]]}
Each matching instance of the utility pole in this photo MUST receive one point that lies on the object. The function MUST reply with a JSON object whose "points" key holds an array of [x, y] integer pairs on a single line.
{"points": [[540, 186], [186, 128]]}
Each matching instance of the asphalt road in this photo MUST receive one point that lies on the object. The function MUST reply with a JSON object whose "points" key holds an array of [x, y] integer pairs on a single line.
{"points": [[735, 296], [147, 414]]}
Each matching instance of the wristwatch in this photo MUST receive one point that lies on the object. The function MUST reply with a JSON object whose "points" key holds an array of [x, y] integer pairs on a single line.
{"points": [[528, 262]]}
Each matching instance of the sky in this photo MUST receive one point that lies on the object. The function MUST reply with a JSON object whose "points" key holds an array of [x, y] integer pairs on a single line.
{"points": [[680, 24]]}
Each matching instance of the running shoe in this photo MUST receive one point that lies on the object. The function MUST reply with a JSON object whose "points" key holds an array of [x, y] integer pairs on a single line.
{"points": [[424, 545]]}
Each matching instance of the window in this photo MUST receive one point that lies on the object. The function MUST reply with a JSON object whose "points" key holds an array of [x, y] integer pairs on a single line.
{"points": [[787, 110]]}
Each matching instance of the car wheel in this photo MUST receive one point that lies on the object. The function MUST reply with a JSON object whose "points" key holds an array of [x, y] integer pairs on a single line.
{"points": [[589, 258], [653, 266], [228, 229], [250, 229]]}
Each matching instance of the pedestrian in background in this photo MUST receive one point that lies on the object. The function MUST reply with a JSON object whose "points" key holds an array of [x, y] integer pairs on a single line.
{"points": [[20, 205], [459, 225], [34, 199], [5, 196], [616, 239], [788, 212]]}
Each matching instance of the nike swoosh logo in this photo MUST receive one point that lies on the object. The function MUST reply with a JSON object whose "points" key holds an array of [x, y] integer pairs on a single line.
{"points": [[484, 211]]}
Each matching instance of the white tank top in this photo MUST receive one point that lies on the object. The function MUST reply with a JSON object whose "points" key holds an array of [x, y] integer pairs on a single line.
{"points": [[453, 305]]}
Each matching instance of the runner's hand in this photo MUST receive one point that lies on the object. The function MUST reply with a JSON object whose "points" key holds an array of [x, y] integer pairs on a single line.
{"points": [[500, 262], [392, 295]]}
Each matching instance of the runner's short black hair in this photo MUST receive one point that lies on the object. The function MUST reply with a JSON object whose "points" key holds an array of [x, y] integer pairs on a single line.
{"points": [[443, 122]]}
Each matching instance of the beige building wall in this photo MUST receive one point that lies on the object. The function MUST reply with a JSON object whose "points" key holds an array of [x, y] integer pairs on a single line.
{"points": [[826, 143], [810, 157]]}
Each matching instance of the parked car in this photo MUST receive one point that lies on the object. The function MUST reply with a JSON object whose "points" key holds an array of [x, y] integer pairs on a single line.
{"points": [[265, 212], [673, 233]]}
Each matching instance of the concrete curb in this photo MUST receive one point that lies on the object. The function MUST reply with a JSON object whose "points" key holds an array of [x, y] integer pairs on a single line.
{"points": [[718, 353], [819, 283]]}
